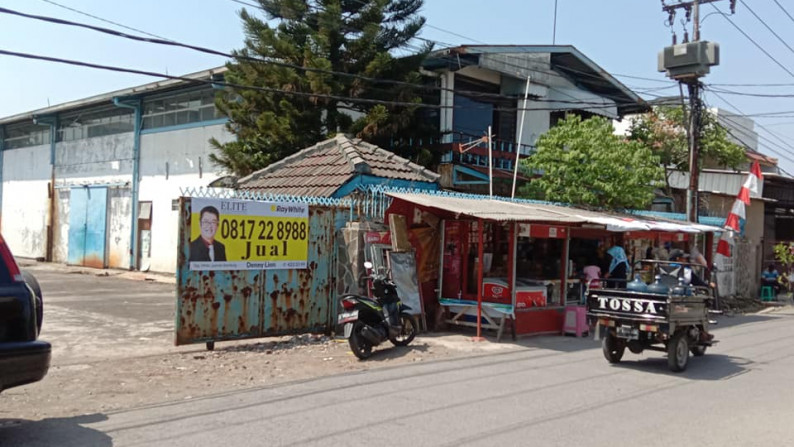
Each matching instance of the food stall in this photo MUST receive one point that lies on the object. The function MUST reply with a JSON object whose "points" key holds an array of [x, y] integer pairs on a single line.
{"points": [[505, 261]]}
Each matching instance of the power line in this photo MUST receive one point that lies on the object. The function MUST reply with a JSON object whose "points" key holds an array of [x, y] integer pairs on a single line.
{"points": [[785, 146], [784, 10], [642, 78], [274, 90], [206, 50], [308, 69], [767, 26], [753, 41], [789, 84], [550, 73], [247, 4], [103, 20], [756, 95]]}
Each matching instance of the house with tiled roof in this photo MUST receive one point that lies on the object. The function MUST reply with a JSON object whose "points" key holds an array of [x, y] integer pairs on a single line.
{"points": [[336, 168]]}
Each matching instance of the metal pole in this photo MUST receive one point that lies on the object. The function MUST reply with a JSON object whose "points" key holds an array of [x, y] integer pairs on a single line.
{"points": [[480, 264], [554, 33], [694, 132], [696, 19], [490, 165], [518, 142]]}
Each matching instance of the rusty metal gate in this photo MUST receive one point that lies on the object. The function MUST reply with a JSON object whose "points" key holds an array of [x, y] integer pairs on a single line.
{"points": [[236, 304]]}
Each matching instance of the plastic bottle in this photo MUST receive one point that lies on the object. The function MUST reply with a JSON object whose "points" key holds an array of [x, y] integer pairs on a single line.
{"points": [[637, 285], [680, 289], [657, 286]]}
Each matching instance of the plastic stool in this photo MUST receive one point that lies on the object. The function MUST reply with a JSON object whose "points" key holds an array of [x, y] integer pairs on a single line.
{"points": [[767, 293], [574, 320]]}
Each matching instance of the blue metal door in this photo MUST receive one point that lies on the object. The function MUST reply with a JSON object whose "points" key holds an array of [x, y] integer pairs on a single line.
{"points": [[87, 226]]}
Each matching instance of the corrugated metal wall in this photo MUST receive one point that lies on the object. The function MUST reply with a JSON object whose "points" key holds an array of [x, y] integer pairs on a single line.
{"points": [[228, 305]]}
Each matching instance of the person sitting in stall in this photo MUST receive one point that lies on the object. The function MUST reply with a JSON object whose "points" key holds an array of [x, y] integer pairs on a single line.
{"points": [[618, 267], [678, 270], [769, 277], [592, 275], [662, 253], [696, 257]]}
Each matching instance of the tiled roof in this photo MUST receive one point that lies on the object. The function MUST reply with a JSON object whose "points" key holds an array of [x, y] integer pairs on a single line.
{"points": [[321, 169]]}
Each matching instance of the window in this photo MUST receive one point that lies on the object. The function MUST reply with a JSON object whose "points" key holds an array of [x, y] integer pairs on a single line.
{"points": [[181, 108], [95, 123], [24, 135]]}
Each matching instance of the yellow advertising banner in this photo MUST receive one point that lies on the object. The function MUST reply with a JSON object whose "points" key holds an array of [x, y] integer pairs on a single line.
{"points": [[231, 234]]}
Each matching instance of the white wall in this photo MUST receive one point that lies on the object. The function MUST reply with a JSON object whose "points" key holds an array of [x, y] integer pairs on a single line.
{"points": [[119, 225], [186, 153], [25, 210], [60, 251], [536, 123], [97, 161]]}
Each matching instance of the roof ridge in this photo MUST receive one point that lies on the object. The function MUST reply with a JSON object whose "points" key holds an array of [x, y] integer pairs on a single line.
{"points": [[352, 154], [297, 156], [418, 169]]}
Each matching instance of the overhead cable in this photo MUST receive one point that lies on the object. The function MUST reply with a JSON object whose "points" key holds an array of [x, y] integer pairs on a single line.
{"points": [[767, 26], [276, 90], [753, 41], [103, 20], [298, 67]]}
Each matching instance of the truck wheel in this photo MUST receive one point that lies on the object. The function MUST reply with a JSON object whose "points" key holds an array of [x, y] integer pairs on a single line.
{"points": [[698, 351], [678, 352], [613, 348]]}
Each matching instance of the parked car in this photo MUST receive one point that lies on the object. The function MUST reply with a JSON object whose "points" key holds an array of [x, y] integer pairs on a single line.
{"points": [[23, 357]]}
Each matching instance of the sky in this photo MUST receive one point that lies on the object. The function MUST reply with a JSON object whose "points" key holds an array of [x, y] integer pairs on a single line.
{"points": [[621, 36]]}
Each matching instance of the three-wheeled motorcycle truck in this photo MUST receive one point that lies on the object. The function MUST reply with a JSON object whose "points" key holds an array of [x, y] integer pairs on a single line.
{"points": [[668, 316]]}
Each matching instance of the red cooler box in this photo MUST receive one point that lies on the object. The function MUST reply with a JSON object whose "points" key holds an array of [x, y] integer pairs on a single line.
{"points": [[496, 290], [530, 294]]}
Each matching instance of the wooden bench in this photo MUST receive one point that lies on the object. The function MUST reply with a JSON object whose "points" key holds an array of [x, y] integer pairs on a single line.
{"points": [[494, 314]]}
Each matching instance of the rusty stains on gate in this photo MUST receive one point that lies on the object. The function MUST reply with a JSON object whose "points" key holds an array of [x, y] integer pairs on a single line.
{"points": [[226, 305]]}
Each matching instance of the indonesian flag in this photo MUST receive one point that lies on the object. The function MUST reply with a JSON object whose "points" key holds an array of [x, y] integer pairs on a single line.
{"points": [[754, 178]]}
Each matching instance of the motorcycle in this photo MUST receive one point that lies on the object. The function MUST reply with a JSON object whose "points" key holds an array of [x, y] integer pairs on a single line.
{"points": [[368, 322]]}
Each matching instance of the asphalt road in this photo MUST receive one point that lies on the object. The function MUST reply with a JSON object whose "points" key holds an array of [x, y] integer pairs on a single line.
{"points": [[553, 391]]}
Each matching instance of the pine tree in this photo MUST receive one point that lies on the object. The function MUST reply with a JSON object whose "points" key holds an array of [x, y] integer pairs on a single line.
{"points": [[363, 37]]}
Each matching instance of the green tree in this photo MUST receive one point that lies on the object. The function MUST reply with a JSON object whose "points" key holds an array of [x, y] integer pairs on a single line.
{"points": [[784, 254], [664, 130], [358, 37], [585, 163]]}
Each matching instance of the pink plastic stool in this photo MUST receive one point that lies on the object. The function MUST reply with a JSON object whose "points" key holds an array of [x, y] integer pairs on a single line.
{"points": [[575, 320]]}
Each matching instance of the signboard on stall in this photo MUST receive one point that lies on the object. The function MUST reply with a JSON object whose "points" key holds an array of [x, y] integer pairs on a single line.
{"points": [[403, 272], [231, 234], [542, 231]]}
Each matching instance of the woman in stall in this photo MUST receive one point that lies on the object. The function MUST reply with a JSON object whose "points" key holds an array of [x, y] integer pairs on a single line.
{"points": [[618, 267]]}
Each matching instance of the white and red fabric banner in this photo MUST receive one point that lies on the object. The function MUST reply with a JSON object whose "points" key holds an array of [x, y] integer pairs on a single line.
{"points": [[754, 178]]}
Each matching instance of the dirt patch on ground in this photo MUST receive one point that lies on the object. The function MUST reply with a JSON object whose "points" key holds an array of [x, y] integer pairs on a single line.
{"points": [[119, 383]]}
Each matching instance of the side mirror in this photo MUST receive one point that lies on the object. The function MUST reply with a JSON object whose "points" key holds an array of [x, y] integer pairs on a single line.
{"points": [[367, 265]]}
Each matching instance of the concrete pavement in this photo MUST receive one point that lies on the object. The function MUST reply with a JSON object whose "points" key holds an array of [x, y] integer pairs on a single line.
{"points": [[543, 391]]}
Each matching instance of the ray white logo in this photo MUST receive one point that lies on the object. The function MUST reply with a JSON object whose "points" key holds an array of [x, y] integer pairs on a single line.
{"points": [[626, 305], [288, 209]]}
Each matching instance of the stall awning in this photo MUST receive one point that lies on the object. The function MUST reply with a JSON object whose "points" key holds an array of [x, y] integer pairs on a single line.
{"points": [[506, 210], [490, 209]]}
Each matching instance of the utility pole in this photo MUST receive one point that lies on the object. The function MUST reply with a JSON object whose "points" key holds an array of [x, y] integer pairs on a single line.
{"points": [[686, 63]]}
